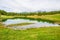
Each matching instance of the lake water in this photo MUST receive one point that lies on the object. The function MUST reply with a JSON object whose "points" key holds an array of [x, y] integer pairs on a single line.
{"points": [[36, 24]]}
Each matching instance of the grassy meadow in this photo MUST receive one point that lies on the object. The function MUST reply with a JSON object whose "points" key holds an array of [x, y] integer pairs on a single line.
{"points": [[42, 33], [54, 18]]}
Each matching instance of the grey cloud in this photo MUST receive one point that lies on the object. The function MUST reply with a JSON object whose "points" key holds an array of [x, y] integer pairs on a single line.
{"points": [[29, 5]]}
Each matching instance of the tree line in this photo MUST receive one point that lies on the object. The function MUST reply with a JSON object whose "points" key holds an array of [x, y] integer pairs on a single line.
{"points": [[2, 12]]}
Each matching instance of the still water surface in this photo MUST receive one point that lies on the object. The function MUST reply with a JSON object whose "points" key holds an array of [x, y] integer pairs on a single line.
{"points": [[36, 24]]}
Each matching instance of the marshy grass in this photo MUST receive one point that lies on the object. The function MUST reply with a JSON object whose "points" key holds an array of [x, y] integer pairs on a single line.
{"points": [[19, 24]]}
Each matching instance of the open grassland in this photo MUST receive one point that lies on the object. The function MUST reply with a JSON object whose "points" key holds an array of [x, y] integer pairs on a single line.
{"points": [[3, 16], [7, 17], [55, 17], [42, 33], [45, 33]]}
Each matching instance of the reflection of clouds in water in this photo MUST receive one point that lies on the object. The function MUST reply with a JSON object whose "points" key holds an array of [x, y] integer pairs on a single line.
{"points": [[14, 21], [35, 25]]}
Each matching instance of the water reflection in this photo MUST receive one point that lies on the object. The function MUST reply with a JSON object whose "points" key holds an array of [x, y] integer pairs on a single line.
{"points": [[35, 25], [15, 21]]}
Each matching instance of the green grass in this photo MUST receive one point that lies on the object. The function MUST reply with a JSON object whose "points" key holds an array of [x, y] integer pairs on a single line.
{"points": [[7, 17], [45, 33], [55, 17], [19, 24], [4, 16]]}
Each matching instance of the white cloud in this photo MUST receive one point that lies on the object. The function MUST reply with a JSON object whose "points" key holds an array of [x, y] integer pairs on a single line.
{"points": [[29, 5]]}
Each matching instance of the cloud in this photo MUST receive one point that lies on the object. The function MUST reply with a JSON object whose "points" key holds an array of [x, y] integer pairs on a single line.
{"points": [[29, 5]]}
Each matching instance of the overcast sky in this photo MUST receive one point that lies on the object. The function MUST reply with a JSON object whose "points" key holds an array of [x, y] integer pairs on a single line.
{"points": [[29, 5]]}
